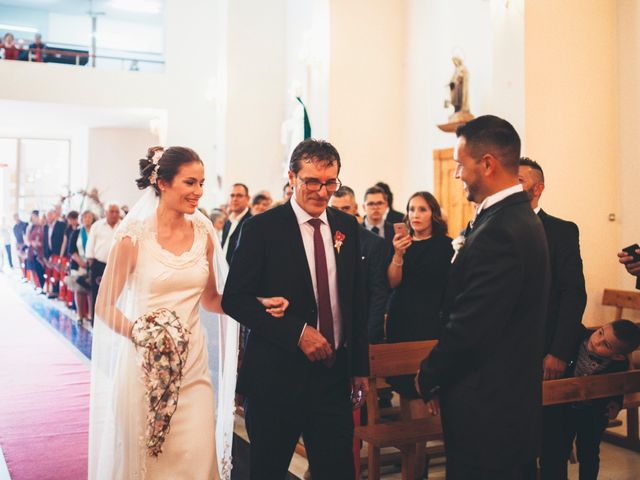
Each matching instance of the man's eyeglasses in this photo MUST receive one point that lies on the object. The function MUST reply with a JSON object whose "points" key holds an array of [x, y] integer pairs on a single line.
{"points": [[375, 204], [314, 185]]}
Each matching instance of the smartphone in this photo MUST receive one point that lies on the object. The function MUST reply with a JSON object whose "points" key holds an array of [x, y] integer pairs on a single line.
{"points": [[401, 229], [631, 250]]}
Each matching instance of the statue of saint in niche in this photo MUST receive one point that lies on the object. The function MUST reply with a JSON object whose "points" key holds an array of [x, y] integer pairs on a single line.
{"points": [[459, 96]]}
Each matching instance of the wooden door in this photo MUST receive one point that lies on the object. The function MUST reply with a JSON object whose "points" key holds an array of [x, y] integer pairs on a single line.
{"points": [[449, 192]]}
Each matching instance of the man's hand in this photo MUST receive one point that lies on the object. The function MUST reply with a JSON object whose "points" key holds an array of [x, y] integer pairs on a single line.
{"points": [[276, 306], [314, 345], [627, 260], [553, 367], [359, 391], [613, 408], [433, 406]]}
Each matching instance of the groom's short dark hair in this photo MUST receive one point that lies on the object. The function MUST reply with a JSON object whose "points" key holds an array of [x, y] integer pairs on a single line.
{"points": [[494, 135], [312, 150]]}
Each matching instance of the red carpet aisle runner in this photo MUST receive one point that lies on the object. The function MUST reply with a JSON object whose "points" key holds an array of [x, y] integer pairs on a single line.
{"points": [[44, 397]]}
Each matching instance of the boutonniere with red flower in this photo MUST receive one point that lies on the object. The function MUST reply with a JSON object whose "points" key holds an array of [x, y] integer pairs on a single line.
{"points": [[338, 238]]}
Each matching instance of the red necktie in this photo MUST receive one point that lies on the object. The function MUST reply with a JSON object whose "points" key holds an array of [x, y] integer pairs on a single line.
{"points": [[325, 314]]}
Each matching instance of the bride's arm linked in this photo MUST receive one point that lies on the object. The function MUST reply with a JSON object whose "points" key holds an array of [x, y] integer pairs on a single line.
{"points": [[211, 299], [120, 265]]}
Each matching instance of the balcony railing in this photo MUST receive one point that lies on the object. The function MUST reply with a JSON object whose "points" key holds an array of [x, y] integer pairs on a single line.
{"points": [[106, 59]]}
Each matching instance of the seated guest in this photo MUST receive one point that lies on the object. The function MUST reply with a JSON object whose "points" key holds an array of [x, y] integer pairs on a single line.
{"points": [[35, 252], [260, 203], [10, 49], [375, 207], [600, 352], [392, 216], [98, 246], [631, 265], [77, 280], [38, 49], [218, 217], [375, 256]]}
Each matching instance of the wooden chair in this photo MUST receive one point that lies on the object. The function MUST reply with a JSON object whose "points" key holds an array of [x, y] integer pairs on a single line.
{"points": [[621, 300], [389, 360]]}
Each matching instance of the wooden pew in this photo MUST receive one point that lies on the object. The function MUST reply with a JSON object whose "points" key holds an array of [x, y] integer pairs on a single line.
{"points": [[387, 360], [625, 300], [404, 358]]}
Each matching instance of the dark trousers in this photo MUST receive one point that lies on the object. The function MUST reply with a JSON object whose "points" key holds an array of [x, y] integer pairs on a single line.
{"points": [[323, 415], [8, 249], [36, 267], [561, 425], [95, 277], [457, 469]]}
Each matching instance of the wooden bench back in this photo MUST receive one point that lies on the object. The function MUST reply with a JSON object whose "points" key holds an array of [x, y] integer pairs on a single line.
{"points": [[586, 388], [391, 359], [621, 299]]}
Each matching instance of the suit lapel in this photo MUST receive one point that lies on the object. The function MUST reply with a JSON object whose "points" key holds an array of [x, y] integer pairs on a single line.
{"points": [[340, 266]]}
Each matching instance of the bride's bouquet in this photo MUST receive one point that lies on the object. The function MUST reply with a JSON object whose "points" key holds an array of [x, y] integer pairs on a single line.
{"points": [[163, 343]]}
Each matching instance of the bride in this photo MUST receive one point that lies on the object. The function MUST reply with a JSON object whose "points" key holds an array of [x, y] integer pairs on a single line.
{"points": [[152, 397]]}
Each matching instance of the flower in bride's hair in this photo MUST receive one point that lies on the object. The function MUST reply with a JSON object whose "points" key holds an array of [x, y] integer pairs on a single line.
{"points": [[157, 155], [153, 178]]}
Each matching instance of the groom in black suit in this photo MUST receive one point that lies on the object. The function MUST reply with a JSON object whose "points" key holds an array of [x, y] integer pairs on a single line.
{"points": [[486, 369], [301, 374]]}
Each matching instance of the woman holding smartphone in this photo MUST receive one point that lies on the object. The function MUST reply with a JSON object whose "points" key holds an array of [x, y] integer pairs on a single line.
{"points": [[418, 275]]}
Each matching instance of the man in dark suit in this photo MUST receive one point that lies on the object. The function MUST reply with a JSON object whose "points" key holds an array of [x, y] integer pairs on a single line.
{"points": [[392, 216], [567, 300], [375, 206], [302, 373], [375, 260], [53, 239], [239, 212], [568, 297], [485, 370]]}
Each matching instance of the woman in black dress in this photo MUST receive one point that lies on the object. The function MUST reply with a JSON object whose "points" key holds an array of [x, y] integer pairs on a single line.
{"points": [[418, 275]]}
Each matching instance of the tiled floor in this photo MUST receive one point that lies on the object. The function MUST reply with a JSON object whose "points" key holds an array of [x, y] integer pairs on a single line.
{"points": [[58, 316]]}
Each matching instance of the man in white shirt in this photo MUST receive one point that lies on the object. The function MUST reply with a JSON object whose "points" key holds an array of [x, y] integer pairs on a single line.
{"points": [[98, 246], [238, 213]]}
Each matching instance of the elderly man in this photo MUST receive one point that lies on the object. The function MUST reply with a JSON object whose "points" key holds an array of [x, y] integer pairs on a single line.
{"points": [[98, 246]]}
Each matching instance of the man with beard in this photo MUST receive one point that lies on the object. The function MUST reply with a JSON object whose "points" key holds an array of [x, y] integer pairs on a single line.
{"points": [[485, 370]]}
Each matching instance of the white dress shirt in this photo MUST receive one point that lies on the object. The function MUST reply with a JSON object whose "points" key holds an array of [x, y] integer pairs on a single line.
{"points": [[234, 220], [100, 239], [497, 197], [369, 226], [306, 230]]}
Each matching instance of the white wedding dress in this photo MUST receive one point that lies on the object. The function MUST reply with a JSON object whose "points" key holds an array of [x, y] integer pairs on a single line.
{"points": [[156, 278]]}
